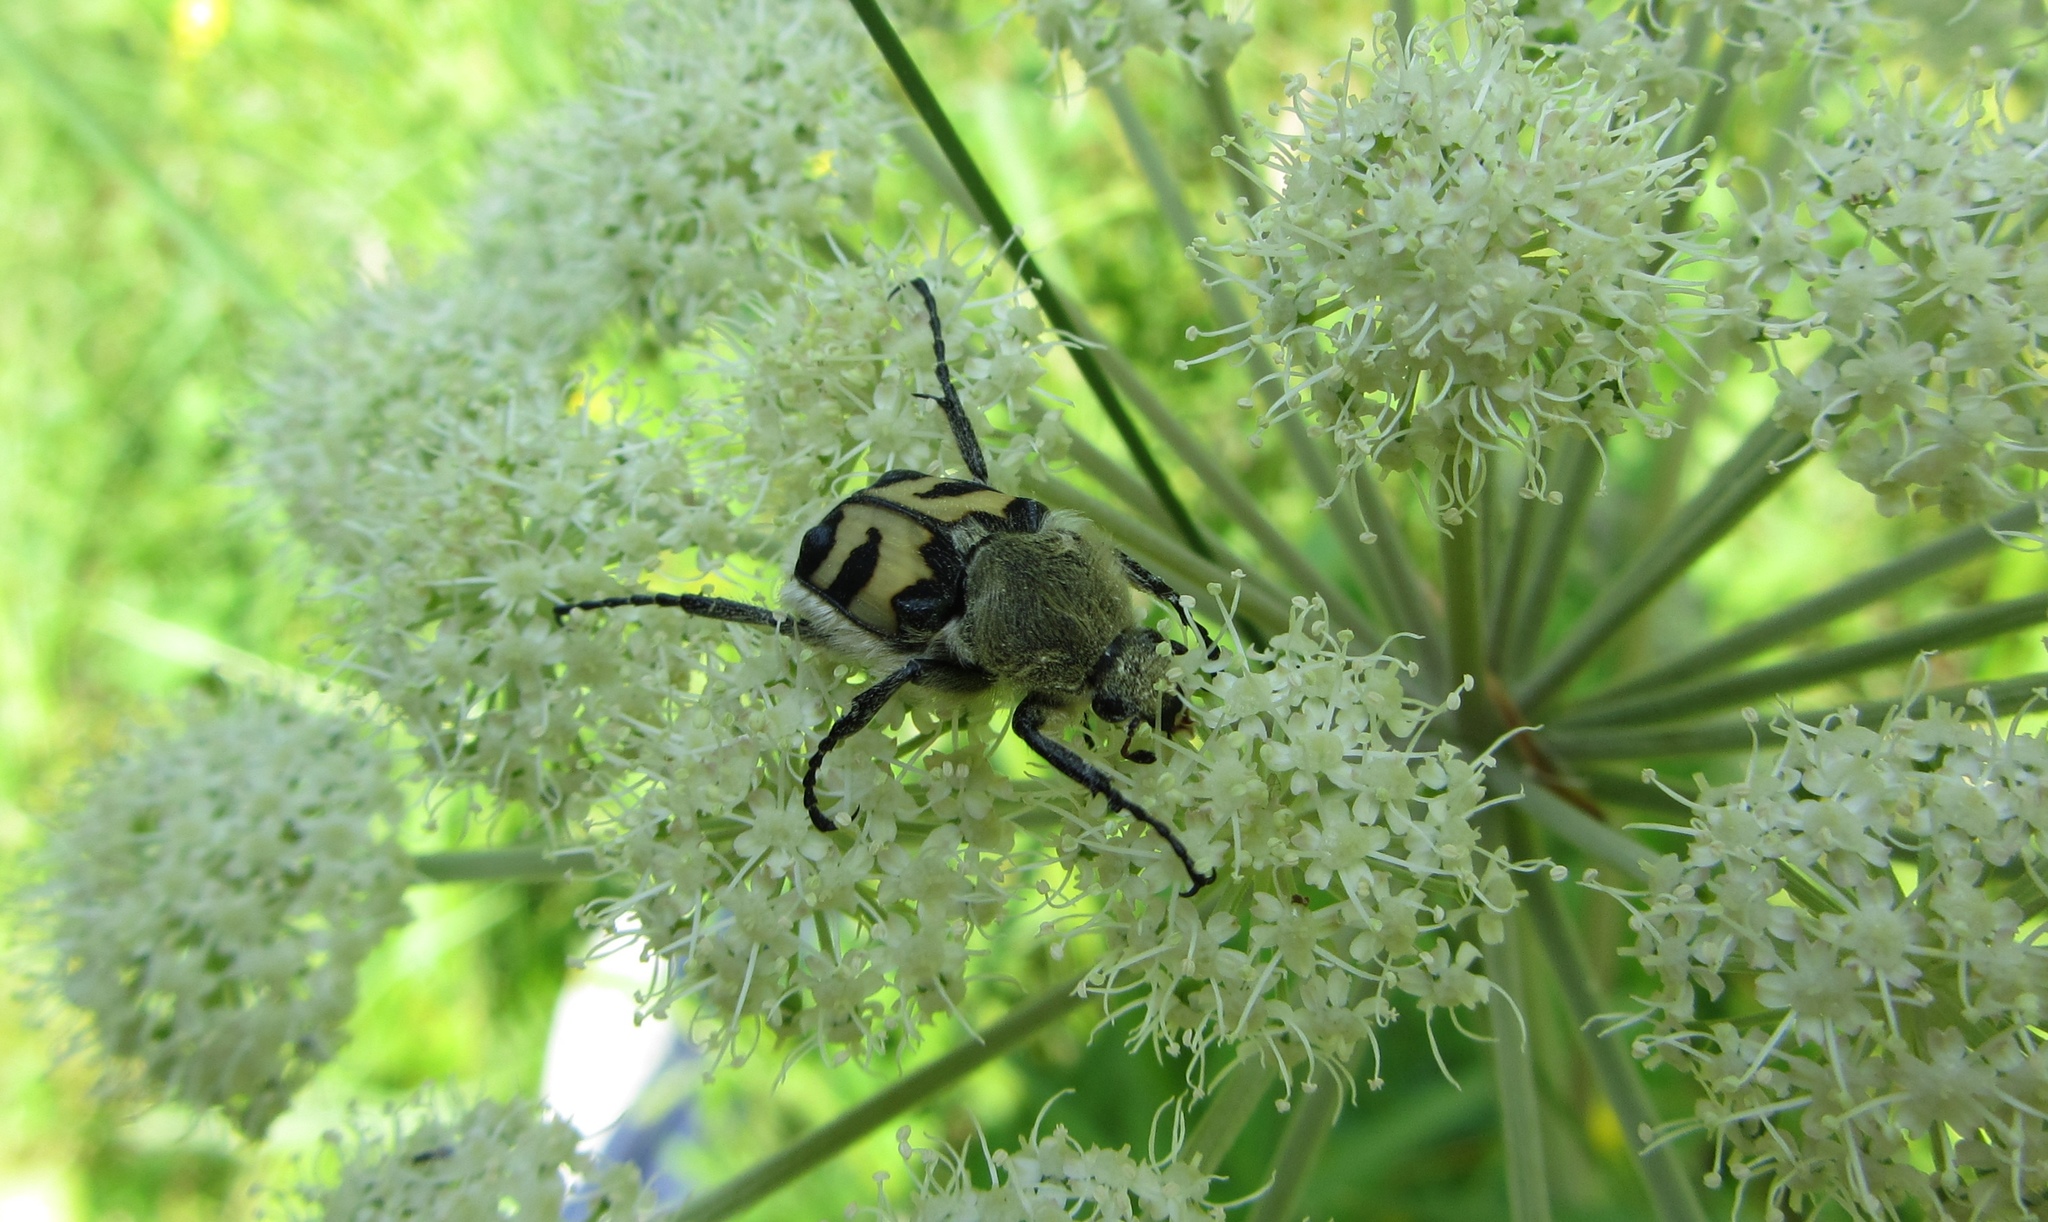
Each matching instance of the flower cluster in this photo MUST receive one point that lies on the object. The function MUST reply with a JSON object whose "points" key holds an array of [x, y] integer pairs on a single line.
{"points": [[720, 133], [1099, 34], [1879, 887], [1471, 255], [452, 488], [1355, 844], [1929, 391], [211, 890], [453, 480], [1658, 48], [432, 1158], [1048, 1177], [1772, 34]]}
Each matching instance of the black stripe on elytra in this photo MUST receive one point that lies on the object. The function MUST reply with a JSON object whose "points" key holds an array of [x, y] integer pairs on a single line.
{"points": [[925, 520], [930, 603], [896, 477], [856, 571], [818, 542], [945, 489]]}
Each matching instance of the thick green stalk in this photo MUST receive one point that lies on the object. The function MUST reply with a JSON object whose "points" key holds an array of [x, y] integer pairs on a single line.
{"points": [[1465, 605], [526, 864], [1152, 164], [1860, 591], [1415, 608], [1117, 478], [1669, 1185], [1578, 474], [1308, 1127], [99, 137], [787, 1165], [1521, 1111], [1250, 1078], [1760, 467], [1011, 243], [1507, 579], [1223, 116], [1737, 733], [1948, 632]]}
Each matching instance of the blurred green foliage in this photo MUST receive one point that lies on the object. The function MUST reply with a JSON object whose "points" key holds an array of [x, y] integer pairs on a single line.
{"points": [[322, 142]]}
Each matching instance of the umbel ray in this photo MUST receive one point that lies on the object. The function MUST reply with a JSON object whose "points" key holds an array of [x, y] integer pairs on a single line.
{"points": [[953, 585]]}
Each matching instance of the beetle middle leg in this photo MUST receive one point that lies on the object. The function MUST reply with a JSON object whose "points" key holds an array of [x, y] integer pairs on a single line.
{"points": [[1029, 723], [727, 609]]}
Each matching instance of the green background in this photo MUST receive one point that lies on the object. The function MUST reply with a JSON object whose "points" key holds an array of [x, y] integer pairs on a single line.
{"points": [[173, 188]]}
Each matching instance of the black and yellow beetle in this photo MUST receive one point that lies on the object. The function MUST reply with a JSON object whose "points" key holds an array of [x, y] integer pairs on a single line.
{"points": [[954, 585]]}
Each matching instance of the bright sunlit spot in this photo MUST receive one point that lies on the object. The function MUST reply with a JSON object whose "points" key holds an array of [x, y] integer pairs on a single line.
{"points": [[197, 25]]}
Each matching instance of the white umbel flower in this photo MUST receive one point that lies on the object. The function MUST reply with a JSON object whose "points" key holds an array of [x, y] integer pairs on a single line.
{"points": [[1930, 389], [1100, 34], [1049, 1177], [451, 476], [719, 132], [1871, 896], [211, 891], [1355, 843], [491, 1161], [1469, 256]]}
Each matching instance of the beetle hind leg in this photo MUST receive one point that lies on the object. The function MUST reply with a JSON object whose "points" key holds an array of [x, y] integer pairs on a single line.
{"points": [[866, 707]]}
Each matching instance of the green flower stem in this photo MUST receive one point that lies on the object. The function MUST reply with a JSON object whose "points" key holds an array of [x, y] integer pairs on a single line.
{"points": [[1301, 1142], [192, 231], [1265, 607], [1415, 606], [1230, 316], [1578, 473], [1007, 239], [787, 1165], [925, 152], [1388, 574], [1234, 501], [1670, 1187], [1117, 478], [1860, 591], [1707, 116], [1605, 844], [1948, 632], [1244, 1089], [1738, 733], [1521, 1112], [525, 864], [1507, 578], [1757, 469], [1152, 164], [1466, 605], [1224, 117]]}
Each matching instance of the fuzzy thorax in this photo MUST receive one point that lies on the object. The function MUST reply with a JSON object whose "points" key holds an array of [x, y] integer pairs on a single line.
{"points": [[1042, 609]]}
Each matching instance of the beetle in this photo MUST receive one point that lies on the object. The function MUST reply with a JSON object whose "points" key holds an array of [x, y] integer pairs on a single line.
{"points": [[957, 586]]}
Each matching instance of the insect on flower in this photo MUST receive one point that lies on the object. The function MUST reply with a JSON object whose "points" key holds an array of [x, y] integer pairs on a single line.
{"points": [[956, 586]]}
